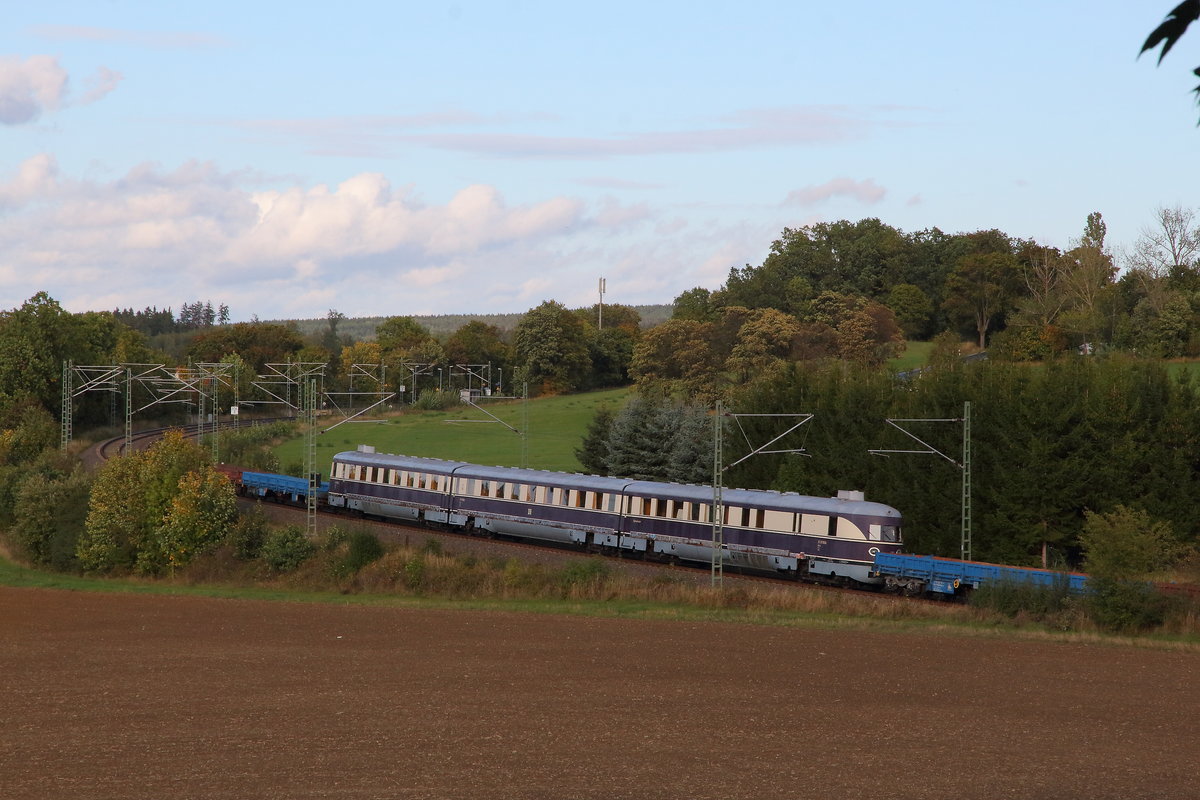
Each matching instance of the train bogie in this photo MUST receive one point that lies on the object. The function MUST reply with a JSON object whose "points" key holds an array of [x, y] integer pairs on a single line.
{"points": [[843, 570]]}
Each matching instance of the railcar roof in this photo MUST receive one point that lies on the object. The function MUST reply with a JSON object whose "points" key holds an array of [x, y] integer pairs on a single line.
{"points": [[464, 469], [756, 498], [391, 461], [574, 480]]}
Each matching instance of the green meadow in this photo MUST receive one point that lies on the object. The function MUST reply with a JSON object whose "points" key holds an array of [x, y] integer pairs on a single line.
{"points": [[489, 434]]}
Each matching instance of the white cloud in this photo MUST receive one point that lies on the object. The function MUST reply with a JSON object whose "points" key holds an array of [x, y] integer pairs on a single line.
{"points": [[160, 237], [746, 130], [29, 87], [36, 178], [867, 192], [101, 83], [39, 85]]}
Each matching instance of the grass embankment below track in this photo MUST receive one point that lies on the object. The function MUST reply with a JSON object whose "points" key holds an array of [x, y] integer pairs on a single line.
{"points": [[601, 594], [555, 429]]}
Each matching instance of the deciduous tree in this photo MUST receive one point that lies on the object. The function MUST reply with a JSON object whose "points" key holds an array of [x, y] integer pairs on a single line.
{"points": [[550, 348], [982, 287]]}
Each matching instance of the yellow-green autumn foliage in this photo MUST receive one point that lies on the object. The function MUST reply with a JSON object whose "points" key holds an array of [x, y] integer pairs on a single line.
{"points": [[155, 509]]}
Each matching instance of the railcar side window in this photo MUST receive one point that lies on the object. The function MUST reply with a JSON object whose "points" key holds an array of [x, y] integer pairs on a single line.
{"points": [[884, 533], [597, 500], [612, 503], [832, 526], [485, 489]]}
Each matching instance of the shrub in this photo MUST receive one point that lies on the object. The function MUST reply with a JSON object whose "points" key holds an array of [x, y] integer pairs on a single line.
{"points": [[335, 537], [49, 517], [585, 571], [248, 535], [1011, 599], [286, 548], [1125, 606], [363, 549], [434, 400], [414, 573]]}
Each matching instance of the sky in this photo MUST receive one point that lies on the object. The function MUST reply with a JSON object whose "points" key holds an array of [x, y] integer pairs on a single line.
{"points": [[397, 158]]}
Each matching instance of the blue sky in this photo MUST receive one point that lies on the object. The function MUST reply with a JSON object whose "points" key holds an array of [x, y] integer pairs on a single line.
{"points": [[467, 157]]}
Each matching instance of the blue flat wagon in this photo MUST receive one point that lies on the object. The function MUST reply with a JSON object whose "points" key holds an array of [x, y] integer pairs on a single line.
{"points": [[913, 575], [284, 488]]}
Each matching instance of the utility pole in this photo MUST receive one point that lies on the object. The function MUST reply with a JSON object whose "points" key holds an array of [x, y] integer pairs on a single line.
{"points": [[964, 465], [717, 568], [718, 505], [600, 316], [309, 395]]}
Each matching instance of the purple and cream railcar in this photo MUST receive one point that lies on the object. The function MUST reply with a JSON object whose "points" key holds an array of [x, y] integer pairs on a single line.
{"points": [[835, 537], [830, 537], [396, 487]]}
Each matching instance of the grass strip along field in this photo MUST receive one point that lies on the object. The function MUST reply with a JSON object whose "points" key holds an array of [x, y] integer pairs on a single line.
{"points": [[462, 433]]}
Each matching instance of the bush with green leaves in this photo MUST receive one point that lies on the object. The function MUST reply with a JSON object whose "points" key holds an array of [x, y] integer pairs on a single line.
{"points": [[585, 571], [363, 548], [1124, 606], [435, 400], [286, 548], [1122, 550], [1042, 603], [249, 446], [248, 534], [49, 516]]}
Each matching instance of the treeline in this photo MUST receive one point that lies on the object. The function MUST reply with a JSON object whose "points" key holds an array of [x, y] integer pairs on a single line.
{"points": [[854, 290], [552, 349], [443, 325], [192, 316], [1049, 445]]}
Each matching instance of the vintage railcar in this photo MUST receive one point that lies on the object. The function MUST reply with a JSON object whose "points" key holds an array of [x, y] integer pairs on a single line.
{"points": [[832, 539]]}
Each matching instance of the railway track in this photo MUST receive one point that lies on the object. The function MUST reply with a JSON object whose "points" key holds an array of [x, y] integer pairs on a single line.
{"points": [[140, 440]]}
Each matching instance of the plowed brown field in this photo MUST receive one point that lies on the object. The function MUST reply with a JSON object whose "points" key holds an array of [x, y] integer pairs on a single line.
{"points": [[128, 696]]}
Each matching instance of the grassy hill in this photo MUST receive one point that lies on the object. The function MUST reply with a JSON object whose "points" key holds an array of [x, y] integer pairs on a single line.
{"points": [[555, 428]]}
